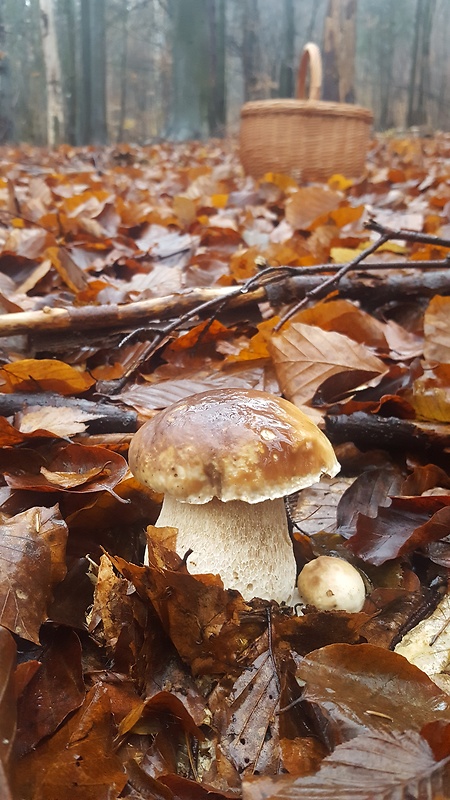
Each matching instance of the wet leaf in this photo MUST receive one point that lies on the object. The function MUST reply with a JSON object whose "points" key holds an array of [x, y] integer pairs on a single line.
{"points": [[77, 468], [396, 531], [376, 764], [40, 710], [364, 687], [32, 551], [8, 714], [78, 758]]}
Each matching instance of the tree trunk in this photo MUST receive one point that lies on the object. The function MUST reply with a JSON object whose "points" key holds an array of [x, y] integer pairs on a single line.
{"points": [[55, 105], [190, 70], [339, 40], [251, 61], [419, 81], [123, 74], [93, 128], [286, 86], [70, 70], [217, 89], [6, 124]]}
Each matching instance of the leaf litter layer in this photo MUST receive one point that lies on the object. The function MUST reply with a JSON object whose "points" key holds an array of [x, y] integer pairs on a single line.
{"points": [[131, 278]]}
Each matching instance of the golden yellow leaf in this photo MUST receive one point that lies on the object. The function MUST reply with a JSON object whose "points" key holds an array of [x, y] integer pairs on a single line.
{"points": [[46, 375], [339, 182], [283, 182], [219, 200]]}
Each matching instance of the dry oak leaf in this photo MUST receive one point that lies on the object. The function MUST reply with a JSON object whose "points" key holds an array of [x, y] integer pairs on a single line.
{"points": [[32, 562], [305, 356]]}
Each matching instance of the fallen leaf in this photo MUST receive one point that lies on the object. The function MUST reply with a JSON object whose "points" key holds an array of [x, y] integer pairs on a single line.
{"points": [[304, 356], [32, 562], [40, 710], [46, 375], [363, 687], [376, 764], [8, 714]]}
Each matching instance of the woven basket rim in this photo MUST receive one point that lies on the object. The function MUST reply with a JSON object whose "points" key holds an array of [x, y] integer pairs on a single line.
{"points": [[319, 108]]}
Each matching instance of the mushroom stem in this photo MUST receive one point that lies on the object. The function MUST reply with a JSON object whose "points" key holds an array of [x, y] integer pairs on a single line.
{"points": [[248, 545]]}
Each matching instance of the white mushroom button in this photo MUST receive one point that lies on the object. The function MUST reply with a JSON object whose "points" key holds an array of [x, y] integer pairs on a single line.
{"points": [[224, 459], [330, 583]]}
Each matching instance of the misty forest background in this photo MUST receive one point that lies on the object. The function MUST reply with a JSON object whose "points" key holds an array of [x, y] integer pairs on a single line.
{"points": [[104, 71]]}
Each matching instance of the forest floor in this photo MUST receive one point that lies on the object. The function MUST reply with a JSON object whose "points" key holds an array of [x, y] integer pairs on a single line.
{"points": [[131, 278]]}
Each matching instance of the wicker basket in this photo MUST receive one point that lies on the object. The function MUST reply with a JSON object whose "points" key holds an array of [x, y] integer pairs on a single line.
{"points": [[307, 138]]}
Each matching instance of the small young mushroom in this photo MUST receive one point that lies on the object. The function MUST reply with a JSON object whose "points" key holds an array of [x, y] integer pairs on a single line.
{"points": [[330, 583], [224, 459]]}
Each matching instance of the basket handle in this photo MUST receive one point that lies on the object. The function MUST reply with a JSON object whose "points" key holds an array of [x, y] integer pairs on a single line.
{"points": [[310, 58]]}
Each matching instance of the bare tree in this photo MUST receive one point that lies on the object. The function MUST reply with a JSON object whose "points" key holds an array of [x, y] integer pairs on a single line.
{"points": [[339, 40], [93, 127], [419, 82], [55, 104]]}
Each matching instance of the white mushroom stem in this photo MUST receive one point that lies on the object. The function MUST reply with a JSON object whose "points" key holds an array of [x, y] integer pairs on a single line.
{"points": [[248, 545]]}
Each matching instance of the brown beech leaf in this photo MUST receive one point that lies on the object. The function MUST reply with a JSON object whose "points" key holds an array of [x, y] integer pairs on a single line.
{"points": [[309, 202], [138, 645], [40, 709], [364, 687], [372, 765], [75, 467], [46, 375], [32, 562], [399, 529], [251, 739], [78, 760], [436, 329], [370, 491], [210, 627], [8, 713], [304, 356], [342, 316]]}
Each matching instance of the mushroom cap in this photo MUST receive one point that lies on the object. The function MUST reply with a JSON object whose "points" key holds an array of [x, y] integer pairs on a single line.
{"points": [[330, 583], [233, 444]]}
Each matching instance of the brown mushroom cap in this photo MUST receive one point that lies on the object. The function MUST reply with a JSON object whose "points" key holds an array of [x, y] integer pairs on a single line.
{"points": [[233, 444]]}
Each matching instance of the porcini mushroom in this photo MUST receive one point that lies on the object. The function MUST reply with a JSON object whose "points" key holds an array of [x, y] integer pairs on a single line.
{"points": [[224, 459], [331, 583]]}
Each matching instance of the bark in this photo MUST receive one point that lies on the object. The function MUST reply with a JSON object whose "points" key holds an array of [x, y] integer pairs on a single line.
{"points": [[55, 104], [6, 124], [369, 431], [251, 61], [371, 288], [339, 39], [217, 88], [190, 71], [287, 68], [123, 74], [419, 81], [93, 128]]}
